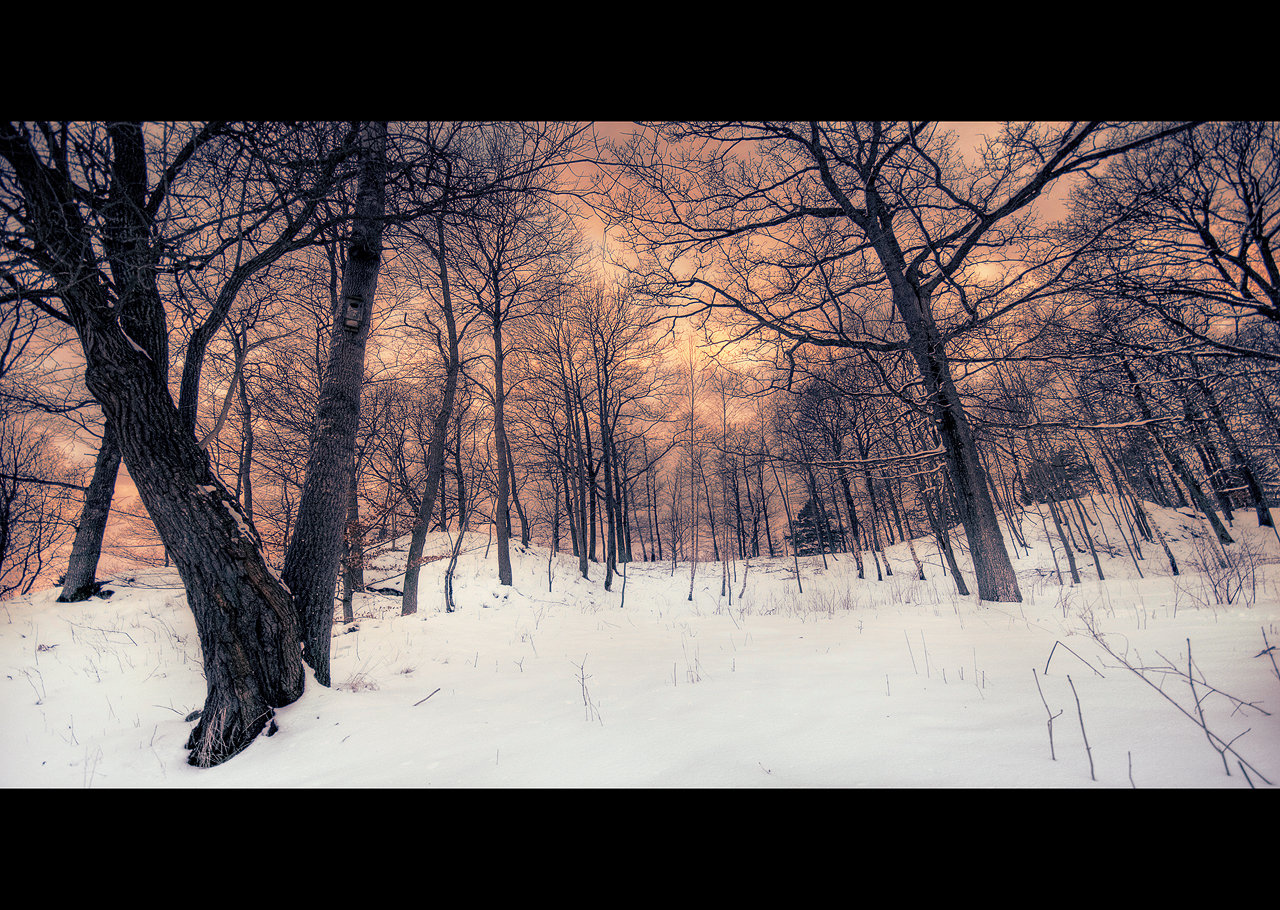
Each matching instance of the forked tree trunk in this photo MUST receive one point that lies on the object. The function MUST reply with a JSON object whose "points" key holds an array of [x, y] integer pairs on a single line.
{"points": [[244, 615]]}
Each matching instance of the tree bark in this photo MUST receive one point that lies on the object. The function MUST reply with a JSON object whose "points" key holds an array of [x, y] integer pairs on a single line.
{"points": [[352, 556], [315, 551], [244, 615]]}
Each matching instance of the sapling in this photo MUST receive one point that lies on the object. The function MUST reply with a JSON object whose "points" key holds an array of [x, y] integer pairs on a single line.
{"points": [[586, 696]]}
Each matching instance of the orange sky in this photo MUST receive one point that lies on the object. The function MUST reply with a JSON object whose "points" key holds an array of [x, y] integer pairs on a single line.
{"points": [[969, 133]]}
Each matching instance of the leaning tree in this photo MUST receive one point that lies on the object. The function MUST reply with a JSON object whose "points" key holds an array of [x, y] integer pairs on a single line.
{"points": [[93, 216]]}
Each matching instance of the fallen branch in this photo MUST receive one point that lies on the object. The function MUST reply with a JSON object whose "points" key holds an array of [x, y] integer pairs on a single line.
{"points": [[1078, 657]]}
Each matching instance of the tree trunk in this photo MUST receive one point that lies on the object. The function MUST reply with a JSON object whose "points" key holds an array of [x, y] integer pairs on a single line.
{"points": [[246, 451], [855, 545], [991, 564], [502, 509], [1236, 453], [1177, 465], [80, 581], [243, 614], [943, 536], [439, 433], [352, 556], [515, 498], [315, 551]]}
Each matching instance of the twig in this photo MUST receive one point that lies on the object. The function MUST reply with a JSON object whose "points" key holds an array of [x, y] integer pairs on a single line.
{"points": [[1050, 713], [1270, 651], [1226, 746], [1087, 750], [1239, 703], [416, 703], [586, 697], [1197, 701]]}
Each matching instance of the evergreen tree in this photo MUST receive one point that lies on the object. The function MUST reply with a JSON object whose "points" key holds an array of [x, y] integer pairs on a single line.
{"points": [[811, 536]]}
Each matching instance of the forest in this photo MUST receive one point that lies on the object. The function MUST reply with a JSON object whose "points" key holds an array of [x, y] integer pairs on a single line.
{"points": [[266, 353]]}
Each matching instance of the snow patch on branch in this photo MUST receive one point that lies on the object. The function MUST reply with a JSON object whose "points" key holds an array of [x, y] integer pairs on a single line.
{"points": [[133, 344]]}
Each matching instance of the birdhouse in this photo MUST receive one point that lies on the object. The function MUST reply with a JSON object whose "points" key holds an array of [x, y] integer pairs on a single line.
{"points": [[355, 310]]}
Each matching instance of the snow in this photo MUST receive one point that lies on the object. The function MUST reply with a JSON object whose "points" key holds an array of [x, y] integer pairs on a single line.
{"points": [[896, 683]]}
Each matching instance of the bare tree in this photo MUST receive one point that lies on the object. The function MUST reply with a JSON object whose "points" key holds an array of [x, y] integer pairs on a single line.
{"points": [[39, 495], [87, 204], [797, 230], [512, 253], [1193, 232]]}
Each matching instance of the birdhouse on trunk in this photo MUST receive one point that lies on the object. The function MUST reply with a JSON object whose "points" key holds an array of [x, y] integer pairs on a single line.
{"points": [[355, 312]]}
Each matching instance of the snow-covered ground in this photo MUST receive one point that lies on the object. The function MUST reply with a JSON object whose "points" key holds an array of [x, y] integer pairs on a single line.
{"points": [[897, 683]]}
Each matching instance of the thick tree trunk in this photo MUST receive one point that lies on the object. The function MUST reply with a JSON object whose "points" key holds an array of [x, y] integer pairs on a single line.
{"points": [[992, 568], [244, 615], [80, 581], [991, 564], [315, 551]]}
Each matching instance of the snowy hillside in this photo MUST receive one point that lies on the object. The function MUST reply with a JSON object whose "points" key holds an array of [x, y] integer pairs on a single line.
{"points": [[555, 682]]}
